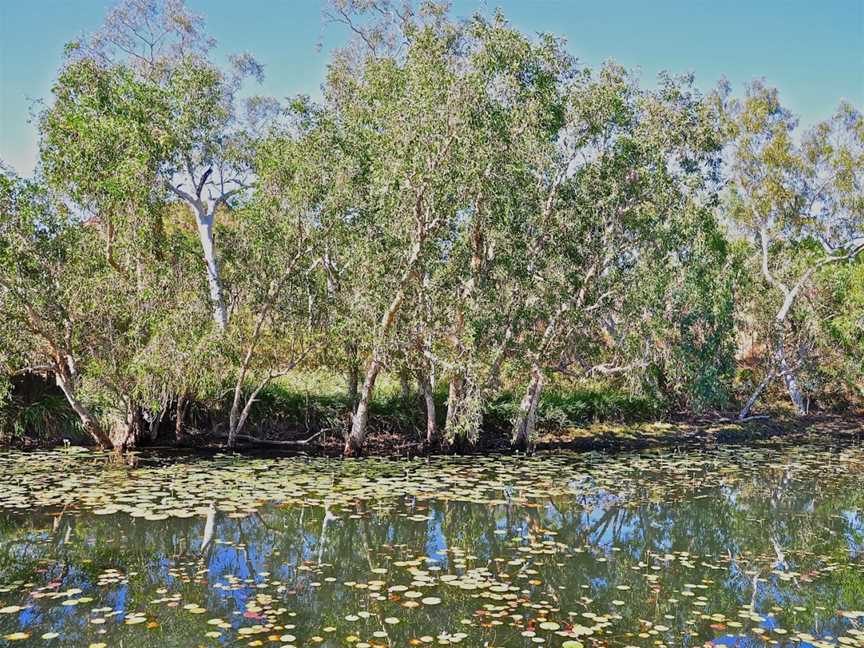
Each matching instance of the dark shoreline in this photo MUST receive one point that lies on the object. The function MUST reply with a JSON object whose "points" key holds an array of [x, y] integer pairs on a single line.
{"points": [[599, 437]]}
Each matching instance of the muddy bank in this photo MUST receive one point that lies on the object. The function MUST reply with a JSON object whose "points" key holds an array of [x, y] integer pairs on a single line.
{"points": [[607, 437]]}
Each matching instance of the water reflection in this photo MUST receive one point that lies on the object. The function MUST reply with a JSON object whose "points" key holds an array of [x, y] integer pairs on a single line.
{"points": [[740, 549]]}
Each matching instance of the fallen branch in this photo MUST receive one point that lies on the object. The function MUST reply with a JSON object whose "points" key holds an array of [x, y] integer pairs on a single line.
{"points": [[245, 438]]}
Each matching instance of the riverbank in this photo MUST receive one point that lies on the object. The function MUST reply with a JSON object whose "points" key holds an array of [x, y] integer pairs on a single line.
{"points": [[599, 436], [616, 437]]}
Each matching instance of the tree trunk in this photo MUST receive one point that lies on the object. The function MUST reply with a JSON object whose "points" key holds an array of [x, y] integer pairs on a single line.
{"points": [[791, 382], [205, 234], [404, 385], [454, 393], [431, 424], [127, 435], [357, 436], [523, 431], [745, 411], [180, 417], [234, 416], [91, 425], [352, 383]]}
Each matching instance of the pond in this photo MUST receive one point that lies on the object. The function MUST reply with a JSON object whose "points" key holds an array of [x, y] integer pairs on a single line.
{"points": [[735, 546]]}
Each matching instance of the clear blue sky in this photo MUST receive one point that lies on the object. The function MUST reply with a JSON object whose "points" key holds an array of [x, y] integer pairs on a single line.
{"points": [[813, 50]]}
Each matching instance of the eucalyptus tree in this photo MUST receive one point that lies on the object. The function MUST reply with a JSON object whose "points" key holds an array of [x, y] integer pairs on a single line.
{"points": [[62, 313], [140, 110], [487, 271], [70, 314], [37, 248], [627, 165], [400, 122], [800, 204], [274, 273]]}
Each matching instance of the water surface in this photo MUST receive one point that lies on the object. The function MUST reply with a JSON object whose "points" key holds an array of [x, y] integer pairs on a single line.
{"points": [[735, 546]]}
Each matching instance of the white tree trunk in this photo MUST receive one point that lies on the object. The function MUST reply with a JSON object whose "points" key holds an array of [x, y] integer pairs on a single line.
{"points": [[526, 420], [431, 424], [791, 382], [745, 411], [357, 436], [205, 235]]}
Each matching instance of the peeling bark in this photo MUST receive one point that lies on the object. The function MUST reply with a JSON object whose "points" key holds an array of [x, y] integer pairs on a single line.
{"points": [[526, 420], [428, 398], [454, 394], [357, 436]]}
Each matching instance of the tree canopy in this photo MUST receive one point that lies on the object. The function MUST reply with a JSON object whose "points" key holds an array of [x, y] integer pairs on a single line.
{"points": [[466, 208]]}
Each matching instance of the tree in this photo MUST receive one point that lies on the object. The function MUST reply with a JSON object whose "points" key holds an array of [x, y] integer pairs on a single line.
{"points": [[398, 125], [627, 175], [44, 326], [275, 276], [800, 204], [139, 111]]}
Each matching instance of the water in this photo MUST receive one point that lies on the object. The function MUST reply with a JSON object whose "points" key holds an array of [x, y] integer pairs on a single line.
{"points": [[736, 546]]}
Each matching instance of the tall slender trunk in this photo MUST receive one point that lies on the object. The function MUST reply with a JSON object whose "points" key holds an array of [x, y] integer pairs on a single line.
{"points": [[352, 383], [454, 394], [745, 411], [238, 417], [425, 387], [234, 415], [780, 366], [91, 425], [526, 419], [205, 235], [180, 417], [357, 436], [791, 382]]}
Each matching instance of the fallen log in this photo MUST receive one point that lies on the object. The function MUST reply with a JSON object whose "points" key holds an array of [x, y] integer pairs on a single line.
{"points": [[250, 440]]}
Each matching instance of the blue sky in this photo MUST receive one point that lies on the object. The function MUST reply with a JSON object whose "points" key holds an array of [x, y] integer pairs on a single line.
{"points": [[812, 50]]}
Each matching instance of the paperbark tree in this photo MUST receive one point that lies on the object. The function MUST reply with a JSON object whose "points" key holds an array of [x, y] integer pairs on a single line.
{"points": [[39, 251], [397, 126], [800, 204], [140, 110]]}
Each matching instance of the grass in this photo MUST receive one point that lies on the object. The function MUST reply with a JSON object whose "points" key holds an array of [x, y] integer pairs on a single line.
{"points": [[316, 402], [309, 402], [45, 419]]}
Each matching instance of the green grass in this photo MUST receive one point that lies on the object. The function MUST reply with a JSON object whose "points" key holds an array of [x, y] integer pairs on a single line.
{"points": [[307, 402], [47, 418]]}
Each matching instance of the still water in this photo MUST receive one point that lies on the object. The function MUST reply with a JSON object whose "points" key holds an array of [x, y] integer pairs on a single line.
{"points": [[736, 546]]}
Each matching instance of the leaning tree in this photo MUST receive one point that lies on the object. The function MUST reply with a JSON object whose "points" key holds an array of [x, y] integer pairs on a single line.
{"points": [[799, 200]]}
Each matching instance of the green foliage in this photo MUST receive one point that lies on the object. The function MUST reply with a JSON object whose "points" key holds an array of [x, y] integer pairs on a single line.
{"points": [[563, 407], [466, 207]]}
